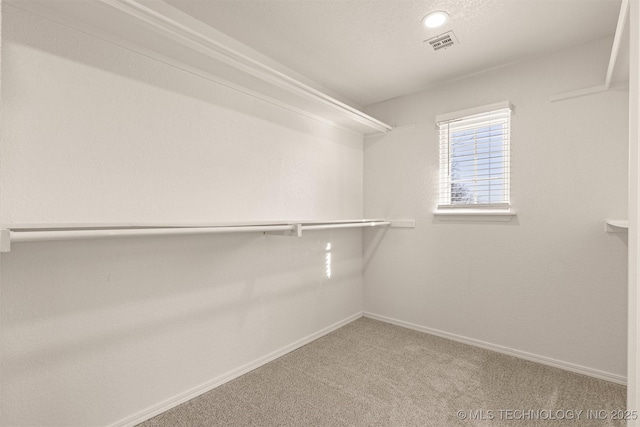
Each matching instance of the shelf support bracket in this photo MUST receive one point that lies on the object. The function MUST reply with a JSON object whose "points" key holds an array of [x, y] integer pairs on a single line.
{"points": [[296, 231], [5, 240]]}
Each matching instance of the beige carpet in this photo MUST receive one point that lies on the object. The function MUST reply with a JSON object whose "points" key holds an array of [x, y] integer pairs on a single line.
{"points": [[370, 373]]}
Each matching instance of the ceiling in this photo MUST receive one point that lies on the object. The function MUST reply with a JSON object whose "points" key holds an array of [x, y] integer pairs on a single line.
{"points": [[372, 50]]}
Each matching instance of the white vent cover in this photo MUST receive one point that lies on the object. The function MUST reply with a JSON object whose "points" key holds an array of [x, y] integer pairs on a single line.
{"points": [[443, 41]]}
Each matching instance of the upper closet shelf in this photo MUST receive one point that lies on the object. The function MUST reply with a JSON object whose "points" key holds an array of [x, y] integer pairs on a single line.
{"points": [[46, 232], [158, 30]]}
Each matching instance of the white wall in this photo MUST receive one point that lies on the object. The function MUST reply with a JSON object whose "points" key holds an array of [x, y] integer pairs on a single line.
{"points": [[97, 331], [551, 282], [99, 133]]}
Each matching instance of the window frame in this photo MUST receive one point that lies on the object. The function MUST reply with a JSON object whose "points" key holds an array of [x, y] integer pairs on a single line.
{"points": [[444, 167]]}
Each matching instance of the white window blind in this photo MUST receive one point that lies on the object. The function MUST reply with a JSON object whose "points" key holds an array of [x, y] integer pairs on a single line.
{"points": [[474, 159]]}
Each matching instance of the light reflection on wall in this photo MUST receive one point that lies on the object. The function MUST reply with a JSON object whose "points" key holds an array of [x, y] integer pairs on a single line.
{"points": [[327, 261]]}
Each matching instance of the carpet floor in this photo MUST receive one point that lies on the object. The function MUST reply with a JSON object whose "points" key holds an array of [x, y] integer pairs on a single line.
{"points": [[371, 373]]}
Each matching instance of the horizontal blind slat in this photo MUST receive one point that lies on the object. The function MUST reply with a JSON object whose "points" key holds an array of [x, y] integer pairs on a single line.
{"points": [[465, 159]]}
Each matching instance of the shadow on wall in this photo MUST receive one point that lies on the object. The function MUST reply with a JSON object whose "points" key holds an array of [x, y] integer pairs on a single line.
{"points": [[622, 237], [97, 295], [371, 240], [60, 41]]}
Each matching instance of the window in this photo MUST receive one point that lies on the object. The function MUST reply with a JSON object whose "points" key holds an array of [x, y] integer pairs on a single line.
{"points": [[474, 158]]}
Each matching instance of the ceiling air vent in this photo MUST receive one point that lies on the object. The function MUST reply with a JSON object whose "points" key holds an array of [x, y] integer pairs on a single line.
{"points": [[443, 41]]}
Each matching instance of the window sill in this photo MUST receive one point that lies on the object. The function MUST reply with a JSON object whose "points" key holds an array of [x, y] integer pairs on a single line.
{"points": [[474, 215]]}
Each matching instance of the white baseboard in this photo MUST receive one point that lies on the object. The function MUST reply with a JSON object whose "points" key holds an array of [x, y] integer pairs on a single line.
{"points": [[607, 376], [210, 385]]}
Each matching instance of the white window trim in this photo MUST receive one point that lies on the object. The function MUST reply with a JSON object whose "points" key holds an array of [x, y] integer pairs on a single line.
{"points": [[473, 111], [494, 212], [474, 215]]}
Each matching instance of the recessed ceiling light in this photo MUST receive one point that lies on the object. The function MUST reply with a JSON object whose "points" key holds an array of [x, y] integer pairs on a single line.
{"points": [[435, 19]]}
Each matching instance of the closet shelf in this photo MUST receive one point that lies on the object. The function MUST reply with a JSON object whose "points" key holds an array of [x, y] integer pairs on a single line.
{"points": [[616, 226], [45, 232], [158, 30]]}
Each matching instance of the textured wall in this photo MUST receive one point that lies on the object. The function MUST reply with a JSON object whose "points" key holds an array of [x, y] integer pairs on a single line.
{"points": [[97, 331], [551, 282], [108, 135]]}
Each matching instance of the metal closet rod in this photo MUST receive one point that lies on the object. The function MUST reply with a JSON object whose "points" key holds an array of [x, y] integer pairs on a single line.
{"points": [[9, 236]]}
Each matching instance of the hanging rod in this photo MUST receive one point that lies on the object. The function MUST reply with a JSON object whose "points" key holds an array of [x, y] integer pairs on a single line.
{"points": [[48, 233]]}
